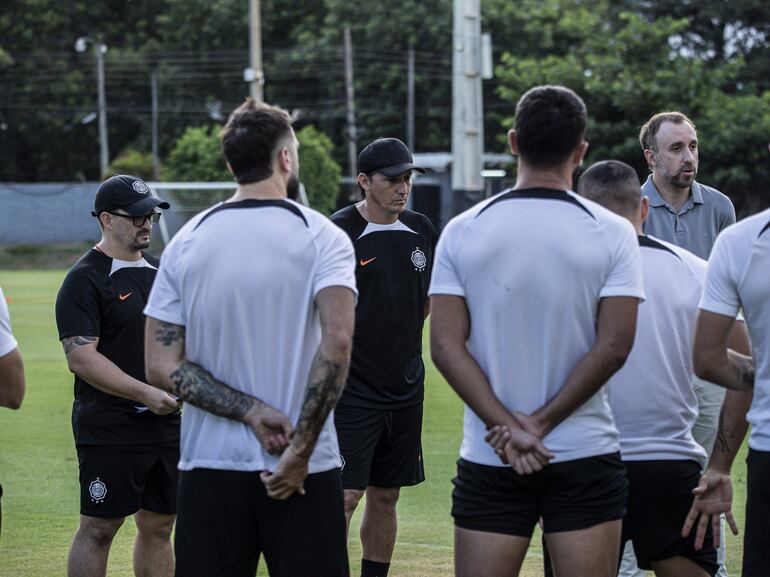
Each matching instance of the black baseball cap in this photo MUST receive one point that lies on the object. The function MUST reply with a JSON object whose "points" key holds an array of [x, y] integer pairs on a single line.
{"points": [[389, 156], [128, 193]]}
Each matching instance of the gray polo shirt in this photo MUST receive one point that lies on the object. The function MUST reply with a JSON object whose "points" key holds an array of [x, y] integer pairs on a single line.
{"points": [[696, 226]]}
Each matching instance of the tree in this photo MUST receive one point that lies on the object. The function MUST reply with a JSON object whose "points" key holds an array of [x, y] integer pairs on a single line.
{"points": [[197, 157], [317, 169]]}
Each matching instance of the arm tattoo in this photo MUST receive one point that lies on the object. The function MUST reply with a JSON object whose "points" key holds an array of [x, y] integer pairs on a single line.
{"points": [[166, 333], [743, 367], [71, 343], [724, 436], [198, 387], [325, 385]]}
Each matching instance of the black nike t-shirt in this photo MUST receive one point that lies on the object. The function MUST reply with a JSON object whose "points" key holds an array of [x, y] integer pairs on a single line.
{"points": [[105, 298], [393, 267]]}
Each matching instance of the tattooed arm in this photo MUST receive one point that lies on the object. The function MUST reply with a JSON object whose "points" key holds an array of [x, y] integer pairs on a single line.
{"points": [[89, 364], [168, 369], [713, 361], [336, 306], [714, 493]]}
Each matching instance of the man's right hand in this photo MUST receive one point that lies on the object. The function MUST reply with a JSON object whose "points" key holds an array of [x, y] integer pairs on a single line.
{"points": [[271, 427], [160, 402], [713, 496]]}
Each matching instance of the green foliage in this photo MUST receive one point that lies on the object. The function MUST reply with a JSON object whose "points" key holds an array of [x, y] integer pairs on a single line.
{"points": [[318, 171], [197, 156], [132, 162]]}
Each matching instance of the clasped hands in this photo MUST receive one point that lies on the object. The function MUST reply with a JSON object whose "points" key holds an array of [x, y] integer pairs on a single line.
{"points": [[519, 444]]}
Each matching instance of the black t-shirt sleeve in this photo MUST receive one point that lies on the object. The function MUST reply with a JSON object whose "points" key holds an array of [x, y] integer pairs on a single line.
{"points": [[77, 307]]}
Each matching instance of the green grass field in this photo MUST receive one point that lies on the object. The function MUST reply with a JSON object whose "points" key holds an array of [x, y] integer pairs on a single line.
{"points": [[38, 468]]}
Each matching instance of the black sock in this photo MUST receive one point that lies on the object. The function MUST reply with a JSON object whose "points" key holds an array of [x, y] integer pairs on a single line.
{"points": [[374, 569]]}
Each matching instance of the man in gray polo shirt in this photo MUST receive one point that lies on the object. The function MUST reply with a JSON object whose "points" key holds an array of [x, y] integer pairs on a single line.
{"points": [[690, 215]]}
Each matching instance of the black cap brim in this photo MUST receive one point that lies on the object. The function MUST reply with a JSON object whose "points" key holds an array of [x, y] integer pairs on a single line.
{"points": [[397, 169], [146, 206]]}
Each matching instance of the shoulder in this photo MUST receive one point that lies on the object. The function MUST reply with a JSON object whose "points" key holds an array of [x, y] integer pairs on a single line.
{"points": [[418, 221], [151, 259], [92, 264], [605, 218], [691, 261], [715, 197]]}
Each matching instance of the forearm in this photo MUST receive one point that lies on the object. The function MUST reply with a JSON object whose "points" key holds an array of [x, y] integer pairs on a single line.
{"points": [[588, 376], [328, 374], [732, 429], [465, 376], [726, 368], [101, 373], [11, 380]]}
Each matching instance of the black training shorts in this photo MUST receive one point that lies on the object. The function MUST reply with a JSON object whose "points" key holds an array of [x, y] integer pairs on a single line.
{"points": [[226, 520], [569, 496], [381, 448], [118, 480], [756, 540], [659, 498]]}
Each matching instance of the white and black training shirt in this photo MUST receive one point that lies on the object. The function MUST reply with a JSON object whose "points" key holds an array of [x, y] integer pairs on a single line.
{"points": [[652, 398], [393, 267], [532, 266], [242, 278], [104, 297], [738, 277], [7, 341]]}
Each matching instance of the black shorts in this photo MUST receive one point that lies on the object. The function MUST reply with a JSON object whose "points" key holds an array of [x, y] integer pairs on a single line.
{"points": [[380, 448], [118, 480], [659, 498], [569, 496], [226, 520], [756, 539]]}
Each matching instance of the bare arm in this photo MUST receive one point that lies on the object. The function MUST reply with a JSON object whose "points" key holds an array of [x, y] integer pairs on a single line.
{"points": [[328, 373], [615, 331], [11, 380], [89, 364], [168, 369], [712, 359], [714, 493], [449, 332]]}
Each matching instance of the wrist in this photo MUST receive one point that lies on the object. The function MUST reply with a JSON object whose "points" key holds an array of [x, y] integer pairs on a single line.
{"points": [[299, 453]]}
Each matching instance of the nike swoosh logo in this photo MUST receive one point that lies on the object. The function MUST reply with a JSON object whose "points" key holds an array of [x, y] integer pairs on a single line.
{"points": [[363, 262], [124, 297]]}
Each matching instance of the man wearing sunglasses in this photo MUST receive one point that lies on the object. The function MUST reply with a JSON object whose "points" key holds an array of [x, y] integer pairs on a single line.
{"points": [[126, 431]]}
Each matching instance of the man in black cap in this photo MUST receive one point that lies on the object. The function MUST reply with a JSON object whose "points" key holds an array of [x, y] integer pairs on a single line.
{"points": [[379, 417], [126, 431]]}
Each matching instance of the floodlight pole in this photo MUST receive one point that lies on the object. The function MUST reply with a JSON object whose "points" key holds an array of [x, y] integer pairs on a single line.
{"points": [[257, 75], [467, 112], [100, 50]]}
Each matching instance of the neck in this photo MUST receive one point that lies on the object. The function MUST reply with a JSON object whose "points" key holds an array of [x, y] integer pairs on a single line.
{"points": [[269, 189], [673, 195], [375, 214], [559, 178], [117, 251]]}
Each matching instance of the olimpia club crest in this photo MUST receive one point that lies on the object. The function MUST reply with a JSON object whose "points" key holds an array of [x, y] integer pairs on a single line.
{"points": [[98, 490], [418, 259], [140, 187]]}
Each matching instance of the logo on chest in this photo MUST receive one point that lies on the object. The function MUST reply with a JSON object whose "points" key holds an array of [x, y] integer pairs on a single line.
{"points": [[418, 259]]}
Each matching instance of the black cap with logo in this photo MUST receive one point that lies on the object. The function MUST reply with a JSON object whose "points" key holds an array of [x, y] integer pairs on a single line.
{"points": [[389, 156], [128, 193]]}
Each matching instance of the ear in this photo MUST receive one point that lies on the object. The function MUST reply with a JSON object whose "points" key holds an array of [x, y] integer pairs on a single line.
{"points": [[580, 152], [649, 156], [106, 219], [512, 142], [363, 181], [644, 209], [229, 168], [284, 159]]}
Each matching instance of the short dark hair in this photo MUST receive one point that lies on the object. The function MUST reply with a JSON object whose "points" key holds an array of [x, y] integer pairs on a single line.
{"points": [[251, 137], [361, 190], [649, 131], [614, 185], [550, 123]]}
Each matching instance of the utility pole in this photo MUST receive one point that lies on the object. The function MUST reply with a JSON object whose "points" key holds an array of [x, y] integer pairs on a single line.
{"points": [[155, 159], [351, 106], [467, 111], [410, 98], [254, 74], [99, 51]]}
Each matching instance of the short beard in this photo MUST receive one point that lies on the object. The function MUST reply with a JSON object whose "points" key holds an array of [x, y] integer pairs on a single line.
{"points": [[141, 245], [292, 187]]}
